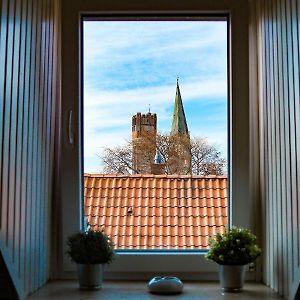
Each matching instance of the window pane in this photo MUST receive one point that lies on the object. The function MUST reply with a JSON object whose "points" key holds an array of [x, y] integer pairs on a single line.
{"points": [[155, 131]]}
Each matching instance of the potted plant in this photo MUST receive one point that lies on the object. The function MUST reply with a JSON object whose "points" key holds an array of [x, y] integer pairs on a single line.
{"points": [[233, 250], [91, 250]]}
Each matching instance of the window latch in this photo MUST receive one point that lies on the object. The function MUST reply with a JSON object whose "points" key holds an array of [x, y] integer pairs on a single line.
{"points": [[71, 132]]}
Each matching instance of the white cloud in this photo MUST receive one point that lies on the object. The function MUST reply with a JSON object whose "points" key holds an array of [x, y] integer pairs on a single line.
{"points": [[155, 95], [113, 109], [147, 37]]}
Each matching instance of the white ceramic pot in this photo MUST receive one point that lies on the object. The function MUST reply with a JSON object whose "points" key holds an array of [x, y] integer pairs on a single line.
{"points": [[90, 276], [232, 278]]}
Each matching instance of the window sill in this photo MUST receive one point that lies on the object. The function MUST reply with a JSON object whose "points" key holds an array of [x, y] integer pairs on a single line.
{"points": [[68, 289]]}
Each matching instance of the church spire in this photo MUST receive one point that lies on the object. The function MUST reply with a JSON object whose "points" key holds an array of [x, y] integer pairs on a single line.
{"points": [[179, 124]]}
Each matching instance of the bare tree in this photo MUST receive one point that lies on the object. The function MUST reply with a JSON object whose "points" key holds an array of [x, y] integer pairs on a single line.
{"points": [[206, 158], [176, 153], [134, 156], [180, 153]]}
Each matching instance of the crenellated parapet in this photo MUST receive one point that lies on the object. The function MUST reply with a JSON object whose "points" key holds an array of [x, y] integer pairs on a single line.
{"points": [[143, 123]]}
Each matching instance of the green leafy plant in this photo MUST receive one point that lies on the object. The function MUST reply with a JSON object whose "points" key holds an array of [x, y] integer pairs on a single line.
{"points": [[90, 247], [237, 246]]}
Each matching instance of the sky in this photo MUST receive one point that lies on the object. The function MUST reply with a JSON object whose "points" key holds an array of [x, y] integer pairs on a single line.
{"points": [[131, 65]]}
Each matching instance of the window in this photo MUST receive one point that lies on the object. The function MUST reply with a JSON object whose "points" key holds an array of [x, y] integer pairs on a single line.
{"points": [[155, 178], [72, 151]]}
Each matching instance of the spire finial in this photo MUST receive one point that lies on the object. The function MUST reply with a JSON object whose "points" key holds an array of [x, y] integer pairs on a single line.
{"points": [[177, 79], [149, 108]]}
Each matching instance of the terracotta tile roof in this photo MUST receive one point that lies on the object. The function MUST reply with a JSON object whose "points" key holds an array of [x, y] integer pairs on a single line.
{"points": [[156, 211]]}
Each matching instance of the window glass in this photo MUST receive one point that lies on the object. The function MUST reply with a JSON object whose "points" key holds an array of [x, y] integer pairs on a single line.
{"points": [[156, 132]]}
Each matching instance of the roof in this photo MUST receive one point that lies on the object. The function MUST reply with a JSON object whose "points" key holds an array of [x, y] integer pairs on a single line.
{"points": [[156, 211], [179, 124]]}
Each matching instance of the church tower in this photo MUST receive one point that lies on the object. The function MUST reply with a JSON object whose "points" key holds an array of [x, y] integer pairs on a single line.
{"points": [[182, 157], [144, 129]]}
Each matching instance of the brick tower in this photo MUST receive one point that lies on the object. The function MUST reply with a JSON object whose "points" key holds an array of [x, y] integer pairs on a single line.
{"points": [[144, 129]]}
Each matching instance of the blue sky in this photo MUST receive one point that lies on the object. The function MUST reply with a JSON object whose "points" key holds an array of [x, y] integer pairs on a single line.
{"points": [[131, 64]]}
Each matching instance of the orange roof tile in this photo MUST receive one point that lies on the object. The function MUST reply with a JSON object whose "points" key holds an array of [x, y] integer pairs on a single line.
{"points": [[157, 211]]}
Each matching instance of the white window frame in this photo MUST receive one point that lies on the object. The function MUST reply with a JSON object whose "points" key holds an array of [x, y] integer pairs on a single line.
{"points": [[141, 264]]}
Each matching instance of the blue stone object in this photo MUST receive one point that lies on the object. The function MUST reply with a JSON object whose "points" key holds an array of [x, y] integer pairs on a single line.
{"points": [[165, 285]]}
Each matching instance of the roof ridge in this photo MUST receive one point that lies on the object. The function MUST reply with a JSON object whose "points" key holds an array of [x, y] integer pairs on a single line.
{"points": [[155, 176]]}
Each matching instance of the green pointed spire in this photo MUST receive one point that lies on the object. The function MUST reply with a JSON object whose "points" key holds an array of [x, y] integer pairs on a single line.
{"points": [[179, 124]]}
